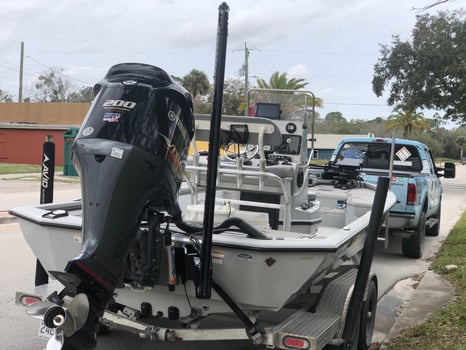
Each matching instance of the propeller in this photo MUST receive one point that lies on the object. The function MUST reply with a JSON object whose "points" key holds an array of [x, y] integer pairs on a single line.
{"points": [[38, 309], [76, 315], [65, 321]]}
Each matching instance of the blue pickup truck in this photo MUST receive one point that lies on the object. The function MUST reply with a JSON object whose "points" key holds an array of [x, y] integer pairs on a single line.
{"points": [[415, 181]]}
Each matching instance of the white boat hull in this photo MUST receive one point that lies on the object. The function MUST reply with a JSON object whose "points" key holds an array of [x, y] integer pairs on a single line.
{"points": [[250, 270]]}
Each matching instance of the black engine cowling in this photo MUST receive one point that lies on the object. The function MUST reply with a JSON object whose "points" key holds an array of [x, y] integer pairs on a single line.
{"points": [[130, 154]]}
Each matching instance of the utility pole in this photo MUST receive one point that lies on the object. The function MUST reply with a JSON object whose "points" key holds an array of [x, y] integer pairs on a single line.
{"points": [[246, 80], [245, 70], [21, 66]]}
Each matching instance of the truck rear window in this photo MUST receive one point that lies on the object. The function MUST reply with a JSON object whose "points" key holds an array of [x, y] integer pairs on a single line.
{"points": [[377, 155]]}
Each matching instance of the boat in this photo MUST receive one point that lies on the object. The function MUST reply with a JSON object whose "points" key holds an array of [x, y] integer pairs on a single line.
{"points": [[244, 238], [282, 238]]}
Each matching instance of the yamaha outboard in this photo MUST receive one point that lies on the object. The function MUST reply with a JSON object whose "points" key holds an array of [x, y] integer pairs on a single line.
{"points": [[130, 154]]}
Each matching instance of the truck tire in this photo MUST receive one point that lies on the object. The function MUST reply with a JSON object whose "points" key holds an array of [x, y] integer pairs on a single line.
{"points": [[369, 308], [433, 231], [413, 247]]}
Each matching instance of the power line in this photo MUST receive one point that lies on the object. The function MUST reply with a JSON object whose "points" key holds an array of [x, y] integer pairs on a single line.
{"points": [[4, 65], [357, 104], [177, 52], [326, 53], [51, 68]]}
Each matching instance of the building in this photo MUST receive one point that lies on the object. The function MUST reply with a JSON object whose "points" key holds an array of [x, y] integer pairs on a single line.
{"points": [[24, 128]]}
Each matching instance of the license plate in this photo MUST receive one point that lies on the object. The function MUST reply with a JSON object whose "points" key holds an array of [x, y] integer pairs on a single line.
{"points": [[45, 332]]}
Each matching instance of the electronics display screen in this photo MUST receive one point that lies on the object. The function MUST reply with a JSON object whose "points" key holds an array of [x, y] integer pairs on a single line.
{"points": [[268, 110]]}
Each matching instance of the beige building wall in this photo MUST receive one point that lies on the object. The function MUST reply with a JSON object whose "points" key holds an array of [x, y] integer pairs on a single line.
{"points": [[51, 113]]}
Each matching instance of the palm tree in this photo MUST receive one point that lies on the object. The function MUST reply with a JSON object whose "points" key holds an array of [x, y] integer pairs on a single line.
{"points": [[408, 122], [196, 82], [280, 81]]}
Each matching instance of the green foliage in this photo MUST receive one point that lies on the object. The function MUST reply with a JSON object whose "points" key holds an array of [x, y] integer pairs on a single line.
{"points": [[177, 79], [233, 97], [428, 71], [335, 117], [352, 127], [461, 141], [54, 86], [196, 82], [435, 146], [84, 95], [408, 122], [280, 81]]}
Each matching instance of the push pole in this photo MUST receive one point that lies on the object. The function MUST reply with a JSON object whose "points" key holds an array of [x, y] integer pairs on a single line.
{"points": [[205, 282], [367, 256], [46, 194]]}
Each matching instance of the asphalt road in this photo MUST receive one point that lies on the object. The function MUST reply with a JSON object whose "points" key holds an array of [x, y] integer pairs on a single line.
{"points": [[17, 263]]}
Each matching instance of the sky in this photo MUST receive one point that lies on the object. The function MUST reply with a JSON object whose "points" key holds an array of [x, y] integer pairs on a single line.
{"points": [[332, 44]]}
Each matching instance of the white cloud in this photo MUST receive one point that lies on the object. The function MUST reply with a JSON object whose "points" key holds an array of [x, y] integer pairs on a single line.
{"points": [[333, 44], [298, 71]]}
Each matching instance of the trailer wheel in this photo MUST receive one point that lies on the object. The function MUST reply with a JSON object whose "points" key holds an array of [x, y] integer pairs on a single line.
{"points": [[369, 308], [412, 247]]}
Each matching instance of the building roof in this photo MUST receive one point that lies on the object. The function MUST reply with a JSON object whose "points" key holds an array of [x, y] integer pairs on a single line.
{"points": [[329, 141]]}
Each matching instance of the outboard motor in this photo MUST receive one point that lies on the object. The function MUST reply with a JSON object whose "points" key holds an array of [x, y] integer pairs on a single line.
{"points": [[130, 154]]}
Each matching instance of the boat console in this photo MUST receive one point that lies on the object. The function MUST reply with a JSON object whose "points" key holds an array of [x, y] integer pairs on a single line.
{"points": [[262, 168]]}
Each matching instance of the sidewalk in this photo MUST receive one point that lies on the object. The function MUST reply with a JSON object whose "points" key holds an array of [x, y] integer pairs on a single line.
{"points": [[24, 189], [431, 295], [414, 302]]}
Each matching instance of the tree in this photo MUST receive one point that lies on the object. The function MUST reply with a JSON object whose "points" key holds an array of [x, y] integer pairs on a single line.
{"points": [[461, 141], [233, 97], [84, 95], [53, 86], [335, 117], [196, 82], [408, 122], [177, 79], [281, 81], [5, 97], [428, 71]]}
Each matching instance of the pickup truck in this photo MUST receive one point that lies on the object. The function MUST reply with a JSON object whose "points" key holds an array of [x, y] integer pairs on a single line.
{"points": [[415, 181]]}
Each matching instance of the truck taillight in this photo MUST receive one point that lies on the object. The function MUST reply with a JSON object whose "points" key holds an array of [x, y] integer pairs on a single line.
{"points": [[411, 197]]}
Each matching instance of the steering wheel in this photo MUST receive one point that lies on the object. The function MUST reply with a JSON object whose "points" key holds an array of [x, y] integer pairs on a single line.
{"points": [[246, 152]]}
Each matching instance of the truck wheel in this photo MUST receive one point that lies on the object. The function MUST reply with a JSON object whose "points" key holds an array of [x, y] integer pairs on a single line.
{"points": [[369, 308], [433, 231], [412, 247]]}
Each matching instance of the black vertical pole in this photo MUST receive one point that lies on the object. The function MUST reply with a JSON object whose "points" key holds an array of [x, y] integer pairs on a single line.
{"points": [[205, 282], [356, 301], [46, 194]]}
